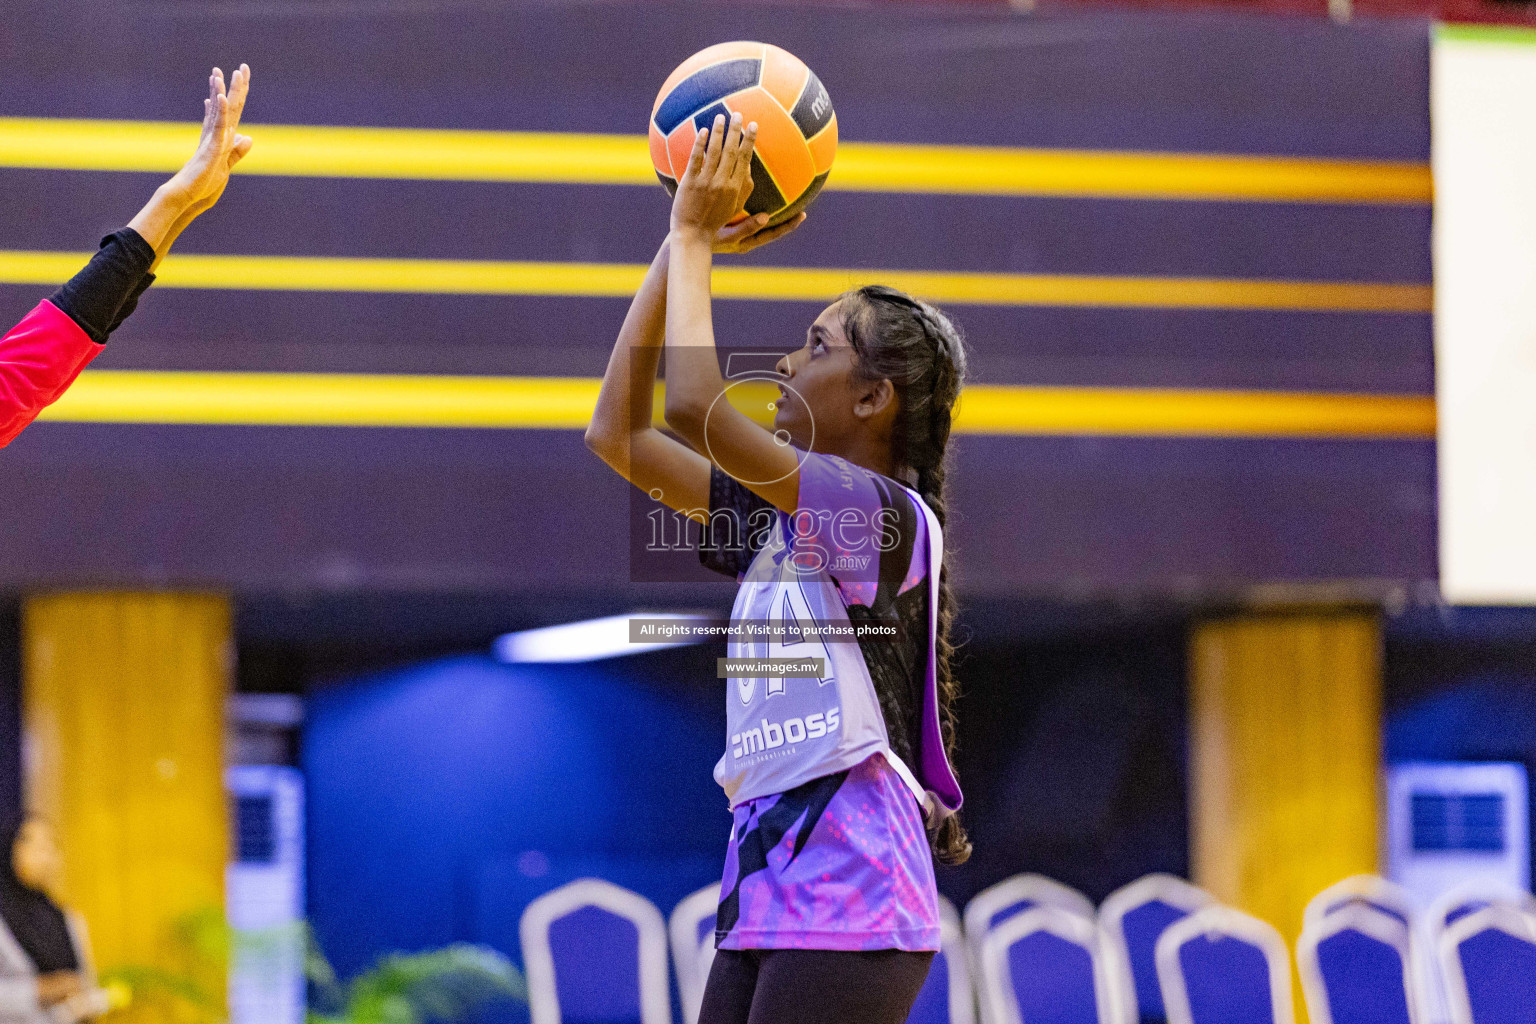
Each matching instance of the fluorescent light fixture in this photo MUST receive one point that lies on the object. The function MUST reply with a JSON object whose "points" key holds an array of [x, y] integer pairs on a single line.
{"points": [[590, 639], [275, 710]]}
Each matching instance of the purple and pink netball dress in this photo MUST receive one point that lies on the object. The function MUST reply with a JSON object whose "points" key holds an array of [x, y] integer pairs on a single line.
{"points": [[830, 778]]}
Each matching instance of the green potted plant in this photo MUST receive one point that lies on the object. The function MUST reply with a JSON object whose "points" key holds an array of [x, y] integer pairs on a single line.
{"points": [[412, 988], [438, 985]]}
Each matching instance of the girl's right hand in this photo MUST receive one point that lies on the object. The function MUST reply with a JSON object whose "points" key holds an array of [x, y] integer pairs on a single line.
{"points": [[718, 179], [753, 233]]}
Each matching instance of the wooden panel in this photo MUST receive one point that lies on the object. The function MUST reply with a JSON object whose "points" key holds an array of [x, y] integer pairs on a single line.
{"points": [[1285, 757], [123, 696]]}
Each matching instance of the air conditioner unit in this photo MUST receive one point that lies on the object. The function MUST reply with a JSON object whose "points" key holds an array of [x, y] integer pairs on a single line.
{"points": [[265, 894], [1452, 821]]}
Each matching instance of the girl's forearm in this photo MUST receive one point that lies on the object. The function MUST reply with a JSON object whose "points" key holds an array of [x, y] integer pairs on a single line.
{"points": [[693, 369], [624, 402], [622, 433], [646, 322]]}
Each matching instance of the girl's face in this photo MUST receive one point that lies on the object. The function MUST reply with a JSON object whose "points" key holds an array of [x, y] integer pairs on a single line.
{"points": [[817, 398], [35, 856]]}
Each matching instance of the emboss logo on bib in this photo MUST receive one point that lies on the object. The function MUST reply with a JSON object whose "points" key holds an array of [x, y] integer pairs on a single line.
{"points": [[772, 735]]}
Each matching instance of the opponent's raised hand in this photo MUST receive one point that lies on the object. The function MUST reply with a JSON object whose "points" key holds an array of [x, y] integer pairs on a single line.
{"points": [[202, 179]]}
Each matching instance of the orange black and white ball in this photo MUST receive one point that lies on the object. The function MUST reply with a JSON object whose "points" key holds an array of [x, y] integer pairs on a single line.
{"points": [[796, 125]]}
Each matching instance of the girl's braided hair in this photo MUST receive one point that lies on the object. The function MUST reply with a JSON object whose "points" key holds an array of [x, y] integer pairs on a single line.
{"points": [[920, 351]]}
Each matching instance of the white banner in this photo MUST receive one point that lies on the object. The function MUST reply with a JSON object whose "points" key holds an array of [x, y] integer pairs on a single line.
{"points": [[1483, 111]]}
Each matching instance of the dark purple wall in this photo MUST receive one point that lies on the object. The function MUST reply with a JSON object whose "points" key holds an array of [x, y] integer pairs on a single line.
{"points": [[270, 510]]}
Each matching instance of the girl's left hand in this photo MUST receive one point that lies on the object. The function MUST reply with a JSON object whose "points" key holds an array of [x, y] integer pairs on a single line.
{"points": [[718, 179], [753, 233]]}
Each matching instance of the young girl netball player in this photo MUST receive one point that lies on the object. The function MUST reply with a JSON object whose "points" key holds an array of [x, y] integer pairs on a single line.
{"points": [[41, 356], [840, 786]]}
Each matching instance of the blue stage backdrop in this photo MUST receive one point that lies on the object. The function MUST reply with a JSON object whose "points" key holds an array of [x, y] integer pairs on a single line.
{"points": [[443, 798]]}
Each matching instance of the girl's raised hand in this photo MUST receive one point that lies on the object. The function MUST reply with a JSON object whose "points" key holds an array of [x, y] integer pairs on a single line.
{"points": [[718, 179]]}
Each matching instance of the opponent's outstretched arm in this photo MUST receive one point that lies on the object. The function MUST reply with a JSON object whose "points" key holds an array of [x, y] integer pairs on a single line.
{"points": [[623, 432], [41, 357]]}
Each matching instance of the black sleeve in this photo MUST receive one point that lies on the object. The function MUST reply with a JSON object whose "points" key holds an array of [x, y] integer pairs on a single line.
{"points": [[738, 524], [107, 289]]}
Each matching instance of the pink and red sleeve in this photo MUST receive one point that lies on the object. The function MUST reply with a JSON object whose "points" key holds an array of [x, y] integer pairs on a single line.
{"points": [[39, 359]]}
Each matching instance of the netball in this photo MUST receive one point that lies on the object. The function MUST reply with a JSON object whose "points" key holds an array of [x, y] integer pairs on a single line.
{"points": [[797, 127]]}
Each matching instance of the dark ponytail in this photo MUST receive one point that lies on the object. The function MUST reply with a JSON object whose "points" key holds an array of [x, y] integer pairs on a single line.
{"points": [[913, 345]]}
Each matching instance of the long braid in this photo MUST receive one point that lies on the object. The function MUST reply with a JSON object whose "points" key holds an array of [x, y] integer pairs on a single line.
{"points": [[918, 349]]}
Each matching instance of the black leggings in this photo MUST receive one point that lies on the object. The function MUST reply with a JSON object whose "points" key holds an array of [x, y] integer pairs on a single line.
{"points": [[812, 986]]}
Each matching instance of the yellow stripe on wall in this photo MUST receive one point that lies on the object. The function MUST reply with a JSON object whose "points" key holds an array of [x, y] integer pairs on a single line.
{"points": [[1127, 175], [812, 284], [572, 158], [327, 400], [1191, 413], [563, 403]]}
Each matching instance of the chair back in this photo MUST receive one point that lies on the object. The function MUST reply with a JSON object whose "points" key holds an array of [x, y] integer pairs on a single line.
{"points": [[1488, 959], [1468, 898], [1370, 890], [1357, 967], [692, 931], [593, 951], [1041, 966], [1130, 921], [1015, 894], [1221, 966]]}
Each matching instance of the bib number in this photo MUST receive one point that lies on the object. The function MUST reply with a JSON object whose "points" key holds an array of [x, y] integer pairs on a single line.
{"points": [[789, 618]]}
